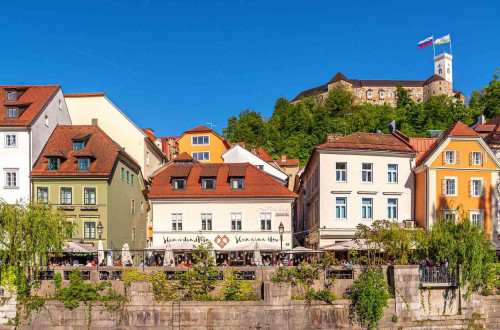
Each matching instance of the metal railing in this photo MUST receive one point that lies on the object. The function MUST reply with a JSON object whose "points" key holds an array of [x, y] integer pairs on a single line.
{"points": [[340, 274], [439, 275]]}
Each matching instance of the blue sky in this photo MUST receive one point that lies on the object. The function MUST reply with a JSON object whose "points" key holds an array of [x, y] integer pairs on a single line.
{"points": [[175, 65]]}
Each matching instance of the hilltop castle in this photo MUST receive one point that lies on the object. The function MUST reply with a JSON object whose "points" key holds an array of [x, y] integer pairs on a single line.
{"points": [[384, 91]]}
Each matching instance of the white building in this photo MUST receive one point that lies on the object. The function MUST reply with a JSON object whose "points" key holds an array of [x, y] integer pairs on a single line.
{"points": [[355, 179], [96, 108], [238, 154], [229, 205], [27, 119]]}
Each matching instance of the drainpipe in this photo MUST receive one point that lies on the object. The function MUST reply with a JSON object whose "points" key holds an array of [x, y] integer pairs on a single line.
{"points": [[29, 162]]}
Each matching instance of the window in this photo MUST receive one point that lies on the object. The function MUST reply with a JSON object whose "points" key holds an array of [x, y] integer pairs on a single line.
{"points": [[392, 173], [89, 229], [449, 157], [53, 163], [132, 179], [237, 184], [260, 167], [176, 221], [132, 206], [450, 214], [236, 220], [206, 221], [11, 96], [265, 221], [147, 158], [381, 94], [46, 120], [367, 172], [341, 172], [83, 164], [89, 196], [367, 208], [201, 156], [477, 158], [358, 94], [11, 140], [142, 207], [341, 208], [133, 234], [208, 184], [78, 145], [369, 95], [392, 208], [42, 194], [66, 195], [128, 177], [123, 173], [11, 178], [476, 188], [179, 184], [200, 140], [476, 218], [450, 186], [12, 113], [391, 94], [60, 104]]}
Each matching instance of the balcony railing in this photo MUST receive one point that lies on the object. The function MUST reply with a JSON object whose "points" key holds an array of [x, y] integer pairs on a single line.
{"points": [[432, 276]]}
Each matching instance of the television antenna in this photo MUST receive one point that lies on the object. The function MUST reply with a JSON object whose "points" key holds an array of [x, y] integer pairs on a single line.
{"points": [[211, 125]]}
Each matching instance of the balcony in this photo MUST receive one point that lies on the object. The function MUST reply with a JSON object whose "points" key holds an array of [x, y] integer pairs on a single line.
{"points": [[439, 277]]}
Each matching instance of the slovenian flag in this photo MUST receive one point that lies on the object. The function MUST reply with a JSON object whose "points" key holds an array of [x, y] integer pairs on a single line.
{"points": [[426, 42]]}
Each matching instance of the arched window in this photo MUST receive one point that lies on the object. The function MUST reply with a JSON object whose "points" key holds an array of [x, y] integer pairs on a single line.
{"points": [[369, 95], [381, 94], [448, 70], [440, 71]]}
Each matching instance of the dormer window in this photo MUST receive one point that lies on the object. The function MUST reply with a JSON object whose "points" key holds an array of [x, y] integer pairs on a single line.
{"points": [[54, 163], [179, 184], [83, 164], [78, 145], [208, 184], [237, 183], [11, 96], [12, 112]]}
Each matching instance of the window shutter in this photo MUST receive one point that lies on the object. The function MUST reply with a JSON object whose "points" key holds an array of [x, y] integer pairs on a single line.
{"points": [[484, 158], [470, 188], [483, 187], [457, 155], [443, 186], [470, 159], [443, 156]]}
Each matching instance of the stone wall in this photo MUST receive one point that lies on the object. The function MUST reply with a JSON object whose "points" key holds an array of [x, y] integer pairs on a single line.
{"points": [[8, 305]]}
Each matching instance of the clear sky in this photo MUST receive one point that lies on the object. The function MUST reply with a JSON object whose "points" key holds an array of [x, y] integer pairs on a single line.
{"points": [[175, 65]]}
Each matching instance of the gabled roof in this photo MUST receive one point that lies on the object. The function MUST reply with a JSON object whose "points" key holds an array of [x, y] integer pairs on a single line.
{"points": [[484, 128], [150, 135], [199, 129], [204, 129], [368, 141], [84, 94], [183, 157], [457, 130], [287, 162], [264, 155], [98, 146], [257, 183], [33, 100]]}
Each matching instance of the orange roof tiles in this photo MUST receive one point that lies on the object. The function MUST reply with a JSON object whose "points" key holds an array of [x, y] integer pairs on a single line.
{"points": [[421, 145], [84, 94], [257, 183], [199, 129], [99, 145], [484, 128], [368, 141], [264, 155], [32, 100], [183, 157], [149, 133]]}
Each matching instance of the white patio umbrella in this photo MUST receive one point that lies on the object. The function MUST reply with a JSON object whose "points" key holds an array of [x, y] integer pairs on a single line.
{"points": [[126, 256], [100, 252], [257, 258], [169, 254]]}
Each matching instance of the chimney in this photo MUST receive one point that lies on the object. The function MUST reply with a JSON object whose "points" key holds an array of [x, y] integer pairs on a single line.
{"points": [[333, 137], [392, 126], [94, 121], [480, 120], [253, 150], [283, 158], [150, 130]]}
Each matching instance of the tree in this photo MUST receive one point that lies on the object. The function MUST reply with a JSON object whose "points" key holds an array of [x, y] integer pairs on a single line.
{"points": [[491, 97], [403, 97]]}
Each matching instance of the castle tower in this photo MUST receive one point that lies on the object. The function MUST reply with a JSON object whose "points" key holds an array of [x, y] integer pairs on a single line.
{"points": [[443, 66]]}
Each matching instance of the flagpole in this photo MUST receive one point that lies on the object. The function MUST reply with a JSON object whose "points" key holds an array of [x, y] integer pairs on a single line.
{"points": [[433, 47], [451, 52]]}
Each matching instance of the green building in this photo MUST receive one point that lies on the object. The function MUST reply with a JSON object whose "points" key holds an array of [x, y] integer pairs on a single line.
{"points": [[84, 173]]}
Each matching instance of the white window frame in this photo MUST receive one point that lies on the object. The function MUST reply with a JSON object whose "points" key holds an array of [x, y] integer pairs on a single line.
{"points": [[391, 172], [448, 212], [201, 152], [367, 206], [369, 95], [236, 179], [7, 97], [206, 220], [95, 195], [445, 186], [176, 221], [38, 200], [94, 232], [266, 227], [471, 187], [11, 176], [204, 180], [236, 221], [473, 160], [391, 209], [11, 110], [203, 138], [476, 213], [370, 171], [178, 180], [344, 171], [340, 206], [447, 160], [60, 196], [381, 94], [8, 140]]}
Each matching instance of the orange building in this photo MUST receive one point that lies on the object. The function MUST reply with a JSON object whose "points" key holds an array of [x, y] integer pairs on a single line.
{"points": [[456, 177], [203, 144]]}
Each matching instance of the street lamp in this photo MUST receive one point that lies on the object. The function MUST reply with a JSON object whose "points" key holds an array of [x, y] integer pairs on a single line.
{"points": [[99, 229], [281, 229]]}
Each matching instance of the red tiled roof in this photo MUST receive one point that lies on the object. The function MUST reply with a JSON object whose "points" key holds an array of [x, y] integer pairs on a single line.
{"points": [[150, 134], [55, 153], [421, 145], [286, 162], [84, 94], [99, 144], [210, 170], [493, 121], [183, 157], [199, 129], [493, 138], [368, 141], [264, 155], [85, 152], [257, 183], [457, 129], [33, 100], [484, 128]]}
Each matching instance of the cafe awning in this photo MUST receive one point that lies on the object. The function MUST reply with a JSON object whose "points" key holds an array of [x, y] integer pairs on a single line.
{"points": [[250, 246], [176, 246], [301, 249], [349, 245], [73, 247]]}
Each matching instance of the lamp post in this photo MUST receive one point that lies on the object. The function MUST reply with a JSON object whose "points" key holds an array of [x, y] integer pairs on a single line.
{"points": [[281, 229], [100, 248], [99, 229]]}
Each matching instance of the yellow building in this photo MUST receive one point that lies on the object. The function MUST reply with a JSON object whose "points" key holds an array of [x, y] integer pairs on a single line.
{"points": [[203, 144], [457, 178]]}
